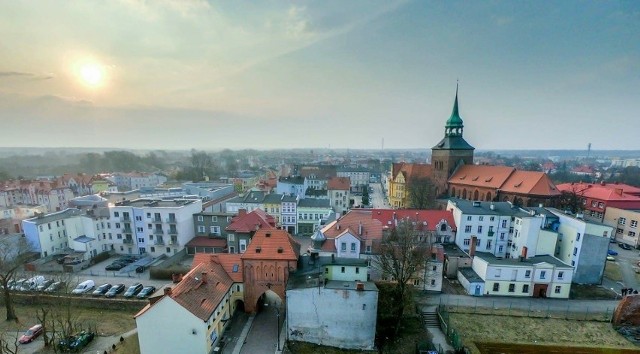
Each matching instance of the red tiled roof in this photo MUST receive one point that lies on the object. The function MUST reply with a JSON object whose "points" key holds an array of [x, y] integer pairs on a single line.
{"points": [[481, 176], [203, 241], [257, 219], [606, 192], [582, 169], [272, 244], [411, 170], [339, 183], [432, 217], [353, 221], [231, 263], [530, 182], [197, 296]]}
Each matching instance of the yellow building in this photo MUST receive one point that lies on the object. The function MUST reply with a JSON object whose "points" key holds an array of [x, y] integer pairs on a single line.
{"points": [[401, 174], [272, 204]]}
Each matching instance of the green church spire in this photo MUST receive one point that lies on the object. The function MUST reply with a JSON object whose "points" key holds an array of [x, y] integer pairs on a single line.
{"points": [[454, 123]]}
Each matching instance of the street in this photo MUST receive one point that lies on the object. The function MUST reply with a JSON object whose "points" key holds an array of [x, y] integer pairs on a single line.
{"points": [[264, 331], [627, 260], [378, 199]]}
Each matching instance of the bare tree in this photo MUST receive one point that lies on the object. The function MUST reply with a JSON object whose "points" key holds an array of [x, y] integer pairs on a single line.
{"points": [[403, 257], [572, 199], [421, 192], [14, 252], [8, 345]]}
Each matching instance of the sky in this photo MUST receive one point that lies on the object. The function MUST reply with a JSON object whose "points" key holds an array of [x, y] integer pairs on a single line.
{"points": [[185, 74]]}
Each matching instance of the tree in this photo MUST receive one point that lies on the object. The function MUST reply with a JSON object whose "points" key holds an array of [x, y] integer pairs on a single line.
{"points": [[202, 165], [14, 253], [403, 256], [421, 193], [365, 195], [572, 199]]}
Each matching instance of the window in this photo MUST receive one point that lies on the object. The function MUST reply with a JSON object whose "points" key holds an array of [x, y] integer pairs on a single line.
{"points": [[601, 205], [575, 251], [201, 228], [500, 248], [543, 274], [467, 228], [140, 240], [168, 250], [527, 273], [634, 223], [153, 249], [326, 270], [504, 223], [364, 307], [231, 237], [343, 247], [557, 289], [488, 244], [368, 249], [357, 270], [594, 203], [525, 288], [502, 235], [353, 247], [492, 218], [342, 270], [479, 242], [481, 218], [466, 241], [116, 214], [622, 221], [573, 263], [578, 237], [214, 230], [560, 275], [512, 288], [468, 218], [632, 234], [479, 229], [433, 282], [496, 286], [200, 218]]}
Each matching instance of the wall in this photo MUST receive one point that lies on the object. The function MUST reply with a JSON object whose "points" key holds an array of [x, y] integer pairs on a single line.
{"points": [[332, 317], [154, 337], [590, 266], [547, 241], [334, 272]]}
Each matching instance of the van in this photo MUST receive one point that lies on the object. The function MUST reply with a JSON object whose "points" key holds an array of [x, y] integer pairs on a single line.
{"points": [[84, 287], [32, 283]]}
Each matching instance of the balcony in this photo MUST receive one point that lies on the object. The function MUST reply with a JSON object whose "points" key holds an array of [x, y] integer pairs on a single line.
{"points": [[490, 233], [128, 241], [158, 232], [158, 220], [174, 242], [127, 230], [171, 221], [159, 241], [173, 231]]}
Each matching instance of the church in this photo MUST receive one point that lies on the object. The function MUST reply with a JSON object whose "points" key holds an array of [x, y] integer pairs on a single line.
{"points": [[454, 174]]}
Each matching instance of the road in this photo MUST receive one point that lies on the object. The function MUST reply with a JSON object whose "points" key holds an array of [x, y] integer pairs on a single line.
{"points": [[378, 199]]}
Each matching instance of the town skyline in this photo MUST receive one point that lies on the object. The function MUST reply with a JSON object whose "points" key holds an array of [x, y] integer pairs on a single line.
{"points": [[193, 74]]}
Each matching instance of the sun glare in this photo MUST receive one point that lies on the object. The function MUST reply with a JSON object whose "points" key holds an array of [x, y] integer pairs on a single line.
{"points": [[92, 74]]}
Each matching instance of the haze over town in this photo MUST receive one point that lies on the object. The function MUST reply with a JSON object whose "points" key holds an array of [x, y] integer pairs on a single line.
{"points": [[195, 74]]}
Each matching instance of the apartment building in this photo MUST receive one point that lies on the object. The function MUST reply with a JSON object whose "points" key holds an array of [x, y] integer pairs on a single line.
{"points": [[625, 223]]}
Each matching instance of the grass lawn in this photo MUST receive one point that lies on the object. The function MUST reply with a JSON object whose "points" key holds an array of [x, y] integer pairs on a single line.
{"points": [[487, 328], [107, 322], [590, 292], [612, 271], [130, 346]]}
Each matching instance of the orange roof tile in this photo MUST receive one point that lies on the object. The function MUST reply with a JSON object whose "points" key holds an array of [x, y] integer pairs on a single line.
{"points": [[530, 182], [481, 176], [203, 241], [339, 183], [231, 263], [252, 221], [354, 222], [432, 217], [411, 170], [272, 244], [599, 192]]}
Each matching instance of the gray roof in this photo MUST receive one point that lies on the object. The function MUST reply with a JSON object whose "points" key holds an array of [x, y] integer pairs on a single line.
{"points": [[350, 285], [490, 258], [154, 203], [314, 203], [453, 143], [469, 207], [273, 198], [67, 213], [292, 180], [289, 198], [470, 275], [353, 169], [452, 250], [84, 239]]}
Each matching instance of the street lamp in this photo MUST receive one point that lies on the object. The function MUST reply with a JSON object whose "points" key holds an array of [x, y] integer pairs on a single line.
{"points": [[277, 324]]}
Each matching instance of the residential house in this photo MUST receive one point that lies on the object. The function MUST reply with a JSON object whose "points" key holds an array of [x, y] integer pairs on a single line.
{"points": [[339, 190], [252, 200], [348, 302], [317, 176], [358, 177], [294, 185], [625, 223], [208, 191], [210, 233], [289, 213], [272, 204], [398, 182], [155, 227], [312, 213], [597, 197], [243, 227], [538, 276]]}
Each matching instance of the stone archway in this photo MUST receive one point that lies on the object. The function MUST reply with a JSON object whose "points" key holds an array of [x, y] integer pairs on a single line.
{"points": [[261, 276]]}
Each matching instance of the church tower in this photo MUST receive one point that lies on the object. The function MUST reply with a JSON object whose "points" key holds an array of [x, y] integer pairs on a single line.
{"points": [[451, 152]]}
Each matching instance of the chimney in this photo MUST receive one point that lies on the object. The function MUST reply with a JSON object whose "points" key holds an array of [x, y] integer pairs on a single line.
{"points": [[602, 183], [618, 191], [472, 249], [333, 258], [359, 286], [242, 212], [203, 277], [167, 291], [360, 229], [524, 253], [492, 206]]}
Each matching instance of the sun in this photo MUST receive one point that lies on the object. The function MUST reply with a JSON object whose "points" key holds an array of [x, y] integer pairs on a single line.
{"points": [[92, 74]]}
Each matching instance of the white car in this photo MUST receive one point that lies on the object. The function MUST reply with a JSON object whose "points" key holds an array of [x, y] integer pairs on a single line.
{"points": [[611, 258], [84, 287]]}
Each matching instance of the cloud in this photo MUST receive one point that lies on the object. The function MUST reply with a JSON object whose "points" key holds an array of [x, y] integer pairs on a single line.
{"points": [[24, 75]]}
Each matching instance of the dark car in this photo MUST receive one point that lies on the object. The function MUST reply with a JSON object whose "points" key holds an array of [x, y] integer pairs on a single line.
{"points": [[115, 290], [133, 290], [57, 286], [612, 253], [31, 334], [81, 340], [114, 266], [44, 285], [624, 246], [146, 291], [127, 260], [101, 290], [60, 258]]}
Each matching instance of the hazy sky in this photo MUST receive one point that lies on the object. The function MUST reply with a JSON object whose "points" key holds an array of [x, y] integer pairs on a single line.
{"points": [[345, 74]]}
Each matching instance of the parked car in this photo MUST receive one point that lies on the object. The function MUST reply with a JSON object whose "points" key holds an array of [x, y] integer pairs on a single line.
{"points": [[84, 287], [101, 290], [624, 246], [17, 285], [133, 290], [612, 253], [127, 260], [31, 334], [44, 285], [114, 266], [146, 291], [33, 282], [115, 290], [56, 286], [81, 340], [611, 258], [60, 258]]}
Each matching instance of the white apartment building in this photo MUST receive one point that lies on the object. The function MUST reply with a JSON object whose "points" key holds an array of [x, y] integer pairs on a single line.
{"points": [[153, 227], [358, 176]]}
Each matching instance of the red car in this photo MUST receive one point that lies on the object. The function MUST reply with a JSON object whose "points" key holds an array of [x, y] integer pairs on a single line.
{"points": [[31, 334]]}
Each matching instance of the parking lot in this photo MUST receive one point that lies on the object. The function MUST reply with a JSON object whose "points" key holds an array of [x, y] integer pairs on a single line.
{"points": [[628, 262]]}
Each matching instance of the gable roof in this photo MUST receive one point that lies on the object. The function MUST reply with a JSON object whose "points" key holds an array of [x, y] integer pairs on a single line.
{"points": [[200, 291], [411, 170], [432, 217], [272, 244], [252, 221], [481, 176], [203, 241], [230, 262], [530, 182], [358, 223], [339, 183], [606, 192]]}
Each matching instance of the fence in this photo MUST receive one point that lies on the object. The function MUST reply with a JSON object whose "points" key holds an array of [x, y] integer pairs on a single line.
{"points": [[452, 336], [533, 309]]}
